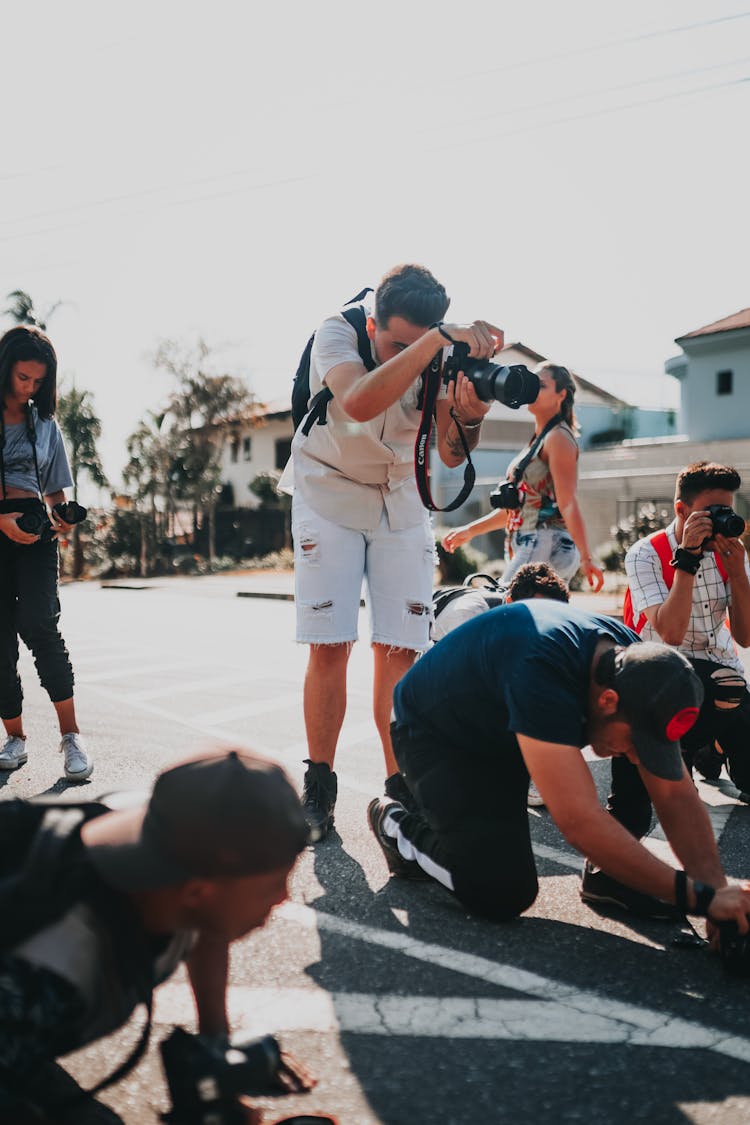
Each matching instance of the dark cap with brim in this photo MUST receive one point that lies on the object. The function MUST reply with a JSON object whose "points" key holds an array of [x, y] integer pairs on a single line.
{"points": [[660, 696], [226, 813]]}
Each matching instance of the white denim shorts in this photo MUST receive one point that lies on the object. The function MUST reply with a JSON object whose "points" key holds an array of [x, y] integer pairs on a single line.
{"points": [[552, 545], [330, 563]]}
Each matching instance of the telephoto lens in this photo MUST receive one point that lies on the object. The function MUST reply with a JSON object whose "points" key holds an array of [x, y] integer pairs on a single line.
{"points": [[513, 386]]}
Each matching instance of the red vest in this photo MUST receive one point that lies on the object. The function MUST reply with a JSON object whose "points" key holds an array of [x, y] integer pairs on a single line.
{"points": [[659, 540]]}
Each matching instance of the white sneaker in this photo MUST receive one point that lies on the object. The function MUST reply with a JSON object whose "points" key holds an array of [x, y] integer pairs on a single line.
{"points": [[78, 764], [535, 800], [13, 753]]}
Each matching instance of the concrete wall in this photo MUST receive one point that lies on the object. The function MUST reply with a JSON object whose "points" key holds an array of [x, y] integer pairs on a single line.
{"points": [[613, 480]]}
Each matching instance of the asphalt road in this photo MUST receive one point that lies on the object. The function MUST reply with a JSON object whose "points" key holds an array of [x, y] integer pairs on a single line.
{"points": [[409, 1011]]}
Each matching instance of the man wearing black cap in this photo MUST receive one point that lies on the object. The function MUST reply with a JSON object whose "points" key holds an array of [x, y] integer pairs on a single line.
{"points": [[200, 865], [519, 691]]}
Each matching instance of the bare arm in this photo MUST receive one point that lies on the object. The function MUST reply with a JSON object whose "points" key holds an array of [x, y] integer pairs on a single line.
{"points": [[562, 458], [493, 521], [733, 556], [208, 969], [364, 394], [463, 402], [564, 781]]}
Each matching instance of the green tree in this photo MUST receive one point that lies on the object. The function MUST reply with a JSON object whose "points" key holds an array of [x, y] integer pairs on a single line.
{"points": [[147, 475], [197, 414], [22, 310], [82, 429]]}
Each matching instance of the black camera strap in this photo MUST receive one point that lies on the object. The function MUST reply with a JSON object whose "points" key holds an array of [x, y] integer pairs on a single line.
{"points": [[533, 449], [432, 380]]}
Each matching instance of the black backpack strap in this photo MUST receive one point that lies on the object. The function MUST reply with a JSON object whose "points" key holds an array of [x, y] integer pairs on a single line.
{"points": [[356, 316]]}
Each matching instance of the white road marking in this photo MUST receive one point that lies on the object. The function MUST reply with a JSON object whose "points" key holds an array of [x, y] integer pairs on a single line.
{"points": [[556, 1012]]}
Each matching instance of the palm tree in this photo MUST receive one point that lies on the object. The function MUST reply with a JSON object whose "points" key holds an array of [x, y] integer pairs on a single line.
{"points": [[21, 310], [82, 428]]}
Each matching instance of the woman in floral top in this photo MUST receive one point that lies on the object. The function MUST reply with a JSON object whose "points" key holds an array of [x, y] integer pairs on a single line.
{"points": [[548, 527]]}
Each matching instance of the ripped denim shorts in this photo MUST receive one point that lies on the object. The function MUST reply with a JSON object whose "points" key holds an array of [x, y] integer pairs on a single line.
{"points": [[330, 563]]}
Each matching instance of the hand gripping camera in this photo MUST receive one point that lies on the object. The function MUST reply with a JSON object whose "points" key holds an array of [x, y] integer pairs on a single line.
{"points": [[514, 386], [205, 1081], [35, 522]]}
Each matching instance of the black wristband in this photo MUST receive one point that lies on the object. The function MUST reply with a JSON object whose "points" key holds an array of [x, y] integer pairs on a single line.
{"points": [[680, 891], [704, 896], [439, 325], [684, 560]]}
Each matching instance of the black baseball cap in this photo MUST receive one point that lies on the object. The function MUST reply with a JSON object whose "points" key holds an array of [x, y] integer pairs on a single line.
{"points": [[660, 696], [224, 813]]}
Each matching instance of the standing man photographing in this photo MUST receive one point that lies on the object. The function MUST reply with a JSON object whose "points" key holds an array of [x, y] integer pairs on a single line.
{"points": [[356, 512]]}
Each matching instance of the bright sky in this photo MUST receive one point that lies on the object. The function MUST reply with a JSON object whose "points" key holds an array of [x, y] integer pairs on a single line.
{"points": [[576, 173]]}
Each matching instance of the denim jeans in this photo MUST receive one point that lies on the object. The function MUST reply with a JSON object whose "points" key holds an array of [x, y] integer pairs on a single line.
{"points": [[552, 545]]}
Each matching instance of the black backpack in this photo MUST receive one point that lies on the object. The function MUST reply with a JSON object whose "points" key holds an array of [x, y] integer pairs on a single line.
{"points": [[311, 411], [44, 872], [491, 590]]}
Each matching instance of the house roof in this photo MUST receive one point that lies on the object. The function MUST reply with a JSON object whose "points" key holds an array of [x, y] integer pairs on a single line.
{"points": [[739, 319]]}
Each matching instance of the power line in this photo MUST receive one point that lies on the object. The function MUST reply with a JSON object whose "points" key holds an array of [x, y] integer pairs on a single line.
{"points": [[592, 113]]}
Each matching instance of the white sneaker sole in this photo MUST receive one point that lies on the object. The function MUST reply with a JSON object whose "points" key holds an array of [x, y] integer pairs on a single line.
{"points": [[6, 765], [81, 775]]}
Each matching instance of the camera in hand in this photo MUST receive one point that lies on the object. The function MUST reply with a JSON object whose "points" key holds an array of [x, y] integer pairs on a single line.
{"points": [[205, 1080], [506, 495], [513, 386], [734, 949], [36, 521], [725, 521]]}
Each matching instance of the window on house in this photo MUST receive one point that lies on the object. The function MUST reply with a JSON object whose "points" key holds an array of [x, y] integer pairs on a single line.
{"points": [[234, 450], [283, 452], [723, 382], [247, 449]]}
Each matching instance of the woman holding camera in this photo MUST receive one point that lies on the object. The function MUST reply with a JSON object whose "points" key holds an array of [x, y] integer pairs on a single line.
{"points": [[547, 526], [34, 472]]}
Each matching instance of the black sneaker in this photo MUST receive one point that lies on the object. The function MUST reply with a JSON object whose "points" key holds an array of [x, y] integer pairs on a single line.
{"points": [[319, 793], [708, 761], [402, 868], [600, 889], [397, 790]]}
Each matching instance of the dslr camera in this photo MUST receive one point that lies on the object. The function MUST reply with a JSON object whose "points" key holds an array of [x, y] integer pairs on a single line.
{"points": [[205, 1081], [513, 386], [36, 522], [725, 521], [734, 949], [506, 495]]}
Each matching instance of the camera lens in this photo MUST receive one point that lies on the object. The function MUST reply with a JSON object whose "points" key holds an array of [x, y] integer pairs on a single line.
{"points": [[512, 386]]}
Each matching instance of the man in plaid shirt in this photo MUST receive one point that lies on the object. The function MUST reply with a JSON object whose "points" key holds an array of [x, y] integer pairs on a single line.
{"points": [[703, 611]]}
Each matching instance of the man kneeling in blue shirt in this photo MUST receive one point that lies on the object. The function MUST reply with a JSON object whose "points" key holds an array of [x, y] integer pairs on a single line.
{"points": [[519, 691]]}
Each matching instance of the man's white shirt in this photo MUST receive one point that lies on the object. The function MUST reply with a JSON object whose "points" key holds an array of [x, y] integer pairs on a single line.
{"points": [[707, 636]]}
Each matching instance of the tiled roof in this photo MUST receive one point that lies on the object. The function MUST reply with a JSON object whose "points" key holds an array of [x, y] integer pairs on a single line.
{"points": [[739, 319]]}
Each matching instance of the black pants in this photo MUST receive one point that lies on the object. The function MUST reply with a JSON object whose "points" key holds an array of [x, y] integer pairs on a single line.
{"points": [[472, 819], [30, 609], [629, 801]]}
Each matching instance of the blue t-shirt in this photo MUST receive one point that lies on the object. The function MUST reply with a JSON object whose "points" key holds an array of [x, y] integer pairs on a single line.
{"points": [[18, 456], [522, 668]]}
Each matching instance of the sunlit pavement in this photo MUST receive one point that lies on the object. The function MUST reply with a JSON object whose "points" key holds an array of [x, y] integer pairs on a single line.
{"points": [[409, 1011]]}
